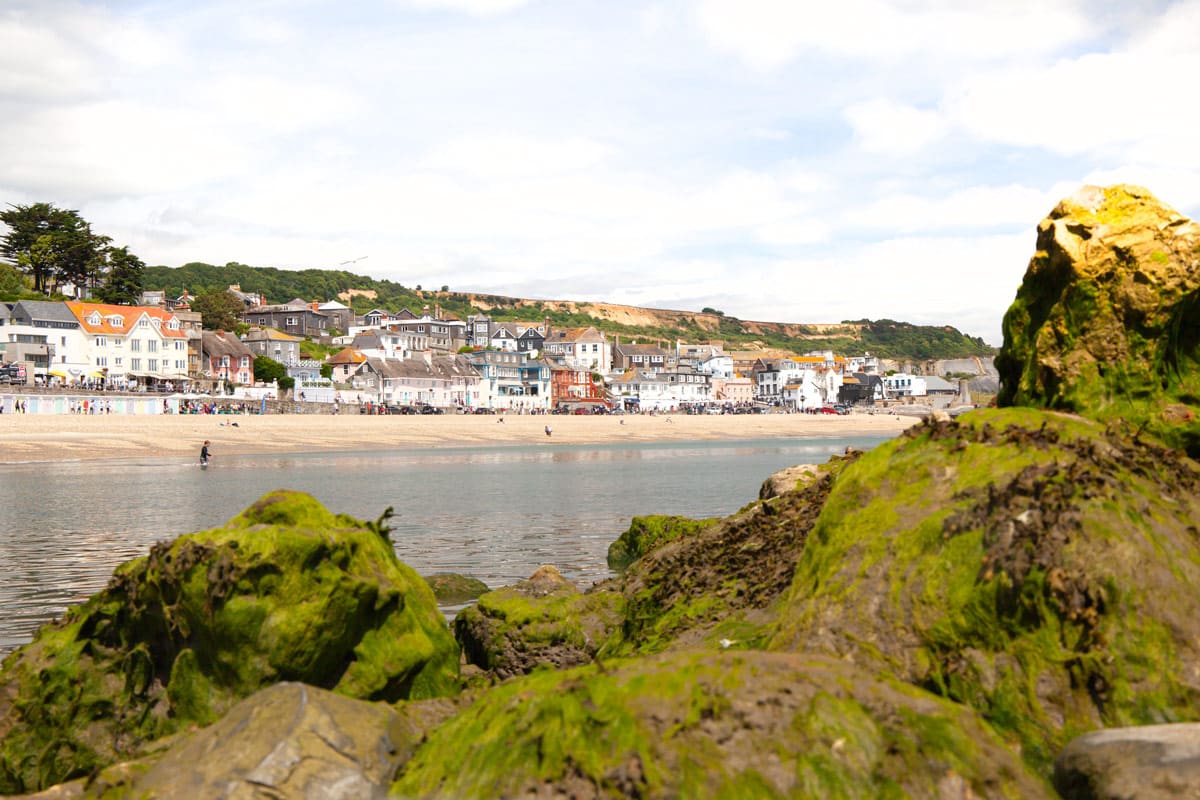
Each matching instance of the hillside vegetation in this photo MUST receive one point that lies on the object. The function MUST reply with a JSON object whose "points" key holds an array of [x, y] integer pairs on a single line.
{"points": [[884, 338]]}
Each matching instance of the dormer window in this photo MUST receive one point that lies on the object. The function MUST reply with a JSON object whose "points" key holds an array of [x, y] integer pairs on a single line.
{"points": [[173, 324], [94, 319], [116, 321]]}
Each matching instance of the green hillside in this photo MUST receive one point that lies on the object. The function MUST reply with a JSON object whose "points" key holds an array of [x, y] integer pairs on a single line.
{"points": [[883, 338]]}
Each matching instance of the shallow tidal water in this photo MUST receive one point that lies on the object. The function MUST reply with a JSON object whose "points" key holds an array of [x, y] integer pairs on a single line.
{"points": [[495, 513]]}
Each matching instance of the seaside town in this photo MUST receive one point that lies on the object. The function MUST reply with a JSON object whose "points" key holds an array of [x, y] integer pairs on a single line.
{"points": [[155, 357]]}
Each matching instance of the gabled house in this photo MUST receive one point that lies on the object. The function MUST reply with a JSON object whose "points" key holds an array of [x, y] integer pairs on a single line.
{"points": [[583, 348], [340, 316], [512, 381], [442, 381], [531, 340], [274, 344], [388, 344], [225, 357], [346, 364], [503, 339], [640, 356]]}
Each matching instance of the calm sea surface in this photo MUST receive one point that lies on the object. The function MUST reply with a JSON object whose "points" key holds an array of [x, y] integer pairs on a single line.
{"points": [[494, 513]]}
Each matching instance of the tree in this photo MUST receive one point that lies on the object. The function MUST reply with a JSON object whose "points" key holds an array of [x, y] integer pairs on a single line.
{"points": [[12, 282], [52, 245], [219, 310], [268, 369], [123, 283]]}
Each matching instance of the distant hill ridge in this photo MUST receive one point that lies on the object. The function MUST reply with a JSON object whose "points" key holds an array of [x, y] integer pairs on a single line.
{"points": [[884, 338]]}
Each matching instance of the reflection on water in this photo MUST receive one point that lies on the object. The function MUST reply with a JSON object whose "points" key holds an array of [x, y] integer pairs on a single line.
{"points": [[492, 513]]}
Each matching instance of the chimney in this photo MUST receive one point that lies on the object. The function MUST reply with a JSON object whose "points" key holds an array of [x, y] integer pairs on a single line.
{"points": [[315, 303]]}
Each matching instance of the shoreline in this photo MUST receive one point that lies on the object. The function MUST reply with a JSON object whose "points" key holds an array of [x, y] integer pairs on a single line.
{"points": [[47, 438]]}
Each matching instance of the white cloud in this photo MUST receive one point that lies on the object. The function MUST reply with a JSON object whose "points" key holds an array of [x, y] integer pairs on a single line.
{"points": [[506, 156], [474, 7], [1094, 104], [885, 127], [770, 33], [976, 207]]}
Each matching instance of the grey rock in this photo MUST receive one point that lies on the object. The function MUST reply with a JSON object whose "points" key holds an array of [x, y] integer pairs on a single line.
{"points": [[1143, 763]]}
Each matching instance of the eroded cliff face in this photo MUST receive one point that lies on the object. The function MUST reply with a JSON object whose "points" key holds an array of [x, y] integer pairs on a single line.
{"points": [[1105, 323]]}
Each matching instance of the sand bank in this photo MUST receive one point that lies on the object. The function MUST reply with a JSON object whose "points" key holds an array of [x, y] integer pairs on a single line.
{"points": [[30, 437]]}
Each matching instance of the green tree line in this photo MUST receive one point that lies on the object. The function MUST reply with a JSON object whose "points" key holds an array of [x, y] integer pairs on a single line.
{"points": [[49, 247]]}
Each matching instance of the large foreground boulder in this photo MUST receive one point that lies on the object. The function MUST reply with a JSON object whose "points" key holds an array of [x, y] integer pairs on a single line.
{"points": [[709, 724], [1032, 565], [1107, 320], [286, 591]]}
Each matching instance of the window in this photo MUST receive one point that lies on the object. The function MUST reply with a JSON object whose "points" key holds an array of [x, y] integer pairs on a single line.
{"points": [[116, 321], [101, 341], [101, 361], [135, 364], [245, 361], [152, 346], [178, 364], [135, 345], [173, 324], [118, 361], [224, 361], [290, 322], [143, 323], [154, 365], [178, 345], [94, 319]]}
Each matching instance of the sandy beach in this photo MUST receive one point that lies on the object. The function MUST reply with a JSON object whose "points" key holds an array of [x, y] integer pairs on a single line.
{"points": [[50, 437]]}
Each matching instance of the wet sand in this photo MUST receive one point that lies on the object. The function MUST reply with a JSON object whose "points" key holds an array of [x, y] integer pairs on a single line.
{"points": [[30, 437]]}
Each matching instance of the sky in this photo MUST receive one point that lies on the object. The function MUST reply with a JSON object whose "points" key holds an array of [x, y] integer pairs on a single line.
{"points": [[780, 161]]}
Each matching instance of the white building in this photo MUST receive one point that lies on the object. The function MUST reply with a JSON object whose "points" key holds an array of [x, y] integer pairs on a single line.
{"points": [[131, 345], [902, 384]]}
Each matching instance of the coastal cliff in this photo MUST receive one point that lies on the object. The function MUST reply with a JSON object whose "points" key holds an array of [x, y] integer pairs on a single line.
{"points": [[937, 617]]}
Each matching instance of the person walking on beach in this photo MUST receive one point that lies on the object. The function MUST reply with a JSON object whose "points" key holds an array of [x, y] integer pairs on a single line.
{"points": [[204, 454], [547, 430]]}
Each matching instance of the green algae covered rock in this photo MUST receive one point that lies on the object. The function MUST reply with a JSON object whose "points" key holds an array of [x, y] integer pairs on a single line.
{"points": [[286, 591], [452, 588], [721, 582], [646, 533], [542, 621], [1032, 565], [708, 724], [1107, 320]]}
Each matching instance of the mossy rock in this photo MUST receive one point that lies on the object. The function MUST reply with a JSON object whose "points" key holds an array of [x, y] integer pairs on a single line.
{"points": [[647, 533], [1029, 564], [286, 591], [452, 588], [708, 724], [1107, 320], [722, 581], [542, 622]]}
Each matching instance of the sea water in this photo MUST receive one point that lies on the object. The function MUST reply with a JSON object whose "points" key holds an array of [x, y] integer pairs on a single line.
{"points": [[493, 513]]}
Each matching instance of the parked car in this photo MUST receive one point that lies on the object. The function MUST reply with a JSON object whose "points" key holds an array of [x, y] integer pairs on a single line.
{"points": [[430, 410], [827, 410]]}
